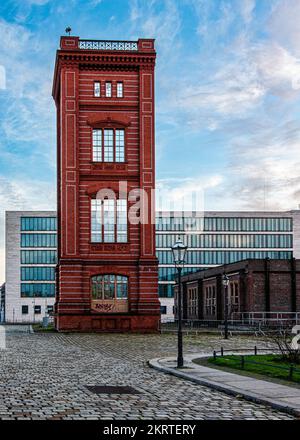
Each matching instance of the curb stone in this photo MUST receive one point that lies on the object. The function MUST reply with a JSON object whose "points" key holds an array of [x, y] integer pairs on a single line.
{"points": [[238, 393]]}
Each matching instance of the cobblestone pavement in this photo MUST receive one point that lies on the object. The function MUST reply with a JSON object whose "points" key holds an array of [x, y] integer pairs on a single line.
{"points": [[44, 376]]}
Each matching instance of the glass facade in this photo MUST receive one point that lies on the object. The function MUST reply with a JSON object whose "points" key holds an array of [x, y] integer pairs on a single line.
{"points": [[220, 257], [208, 239], [38, 240], [38, 224], [37, 277], [37, 290], [38, 257], [211, 240], [37, 273], [247, 224], [227, 240]]}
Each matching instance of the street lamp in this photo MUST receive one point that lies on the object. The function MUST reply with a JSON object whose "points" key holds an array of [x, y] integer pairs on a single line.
{"points": [[225, 281], [179, 253]]}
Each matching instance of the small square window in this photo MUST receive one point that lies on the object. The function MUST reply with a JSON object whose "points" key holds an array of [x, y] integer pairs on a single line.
{"points": [[49, 309], [24, 310], [37, 310], [97, 89], [163, 310], [108, 89], [119, 90]]}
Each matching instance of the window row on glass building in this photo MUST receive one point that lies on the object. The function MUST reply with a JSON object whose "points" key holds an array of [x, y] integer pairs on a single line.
{"points": [[37, 290], [220, 257], [227, 240], [168, 273], [224, 224], [38, 224], [38, 240], [37, 273], [39, 257]]}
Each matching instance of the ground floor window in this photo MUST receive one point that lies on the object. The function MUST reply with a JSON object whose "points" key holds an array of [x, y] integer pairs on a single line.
{"points": [[163, 310], [210, 300], [37, 310], [24, 310], [108, 287], [234, 297], [192, 309]]}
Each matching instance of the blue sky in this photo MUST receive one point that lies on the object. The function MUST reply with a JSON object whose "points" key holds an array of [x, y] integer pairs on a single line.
{"points": [[227, 96]]}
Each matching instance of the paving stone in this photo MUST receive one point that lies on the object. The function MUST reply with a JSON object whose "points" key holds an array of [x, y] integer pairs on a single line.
{"points": [[43, 376]]}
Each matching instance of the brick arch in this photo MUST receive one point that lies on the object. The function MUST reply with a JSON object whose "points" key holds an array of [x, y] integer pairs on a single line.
{"points": [[108, 121]]}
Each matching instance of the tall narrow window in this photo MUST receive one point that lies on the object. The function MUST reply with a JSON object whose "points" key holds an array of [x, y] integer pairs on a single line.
{"points": [[97, 89], [109, 221], [119, 89], [97, 145], [96, 217], [121, 221], [108, 145], [120, 146], [108, 89]]}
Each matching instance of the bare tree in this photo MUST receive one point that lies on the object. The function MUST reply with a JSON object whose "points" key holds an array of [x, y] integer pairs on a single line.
{"points": [[283, 340]]}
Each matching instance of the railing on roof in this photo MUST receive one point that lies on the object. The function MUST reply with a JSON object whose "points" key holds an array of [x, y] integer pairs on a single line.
{"points": [[108, 45]]}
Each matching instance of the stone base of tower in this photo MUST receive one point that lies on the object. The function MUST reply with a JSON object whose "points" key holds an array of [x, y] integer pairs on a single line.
{"points": [[103, 323]]}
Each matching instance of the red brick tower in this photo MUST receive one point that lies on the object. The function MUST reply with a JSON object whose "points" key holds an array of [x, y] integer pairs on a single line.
{"points": [[107, 274]]}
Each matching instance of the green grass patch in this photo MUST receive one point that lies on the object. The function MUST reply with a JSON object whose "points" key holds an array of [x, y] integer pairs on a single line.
{"points": [[39, 328], [269, 365]]}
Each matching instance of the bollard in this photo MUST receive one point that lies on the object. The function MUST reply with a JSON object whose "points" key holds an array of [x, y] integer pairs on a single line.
{"points": [[222, 351], [242, 362], [215, 355], [255, 350], [291, 372]]}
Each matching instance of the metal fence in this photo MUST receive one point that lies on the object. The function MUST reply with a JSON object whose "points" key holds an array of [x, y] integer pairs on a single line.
{"points": [[249, 325], [289, 369]]}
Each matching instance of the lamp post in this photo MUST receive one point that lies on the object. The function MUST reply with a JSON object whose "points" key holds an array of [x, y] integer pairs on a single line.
{"points": [[179, 253], [225, 281]]}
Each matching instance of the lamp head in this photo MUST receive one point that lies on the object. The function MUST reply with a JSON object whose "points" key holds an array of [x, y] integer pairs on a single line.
{"points": [[179, 253]]}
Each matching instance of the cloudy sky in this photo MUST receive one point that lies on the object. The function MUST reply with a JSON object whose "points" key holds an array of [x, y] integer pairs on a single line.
{"points": [[227, 96]]}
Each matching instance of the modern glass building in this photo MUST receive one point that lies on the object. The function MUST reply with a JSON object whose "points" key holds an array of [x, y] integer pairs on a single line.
{"points": [[213, 238], [31, 241]]}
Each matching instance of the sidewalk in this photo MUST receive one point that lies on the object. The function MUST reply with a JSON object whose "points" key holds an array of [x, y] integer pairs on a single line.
{"points": [[281, 397]]}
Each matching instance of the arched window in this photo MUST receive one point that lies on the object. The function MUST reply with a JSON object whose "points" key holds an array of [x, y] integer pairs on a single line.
{"points": [[109, 287]]}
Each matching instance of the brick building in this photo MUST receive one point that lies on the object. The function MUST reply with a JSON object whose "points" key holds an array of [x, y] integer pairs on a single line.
{"points": [[255, 286], [107, 277]]}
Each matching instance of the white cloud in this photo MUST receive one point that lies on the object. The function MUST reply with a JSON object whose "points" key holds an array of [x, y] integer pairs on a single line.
{"points": [[279, 70], [247, 8], [283, 24], [163, 25], [2, 78], [185, 194]]}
